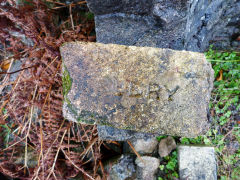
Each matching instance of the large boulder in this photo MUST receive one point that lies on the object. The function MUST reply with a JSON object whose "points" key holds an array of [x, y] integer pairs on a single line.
{"points": [[161, 25], [144, 89], [177, 24]]}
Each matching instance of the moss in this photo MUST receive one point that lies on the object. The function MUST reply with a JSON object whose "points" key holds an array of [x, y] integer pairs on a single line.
{"points": [[67, 82], [90, 16], [84, 116]]}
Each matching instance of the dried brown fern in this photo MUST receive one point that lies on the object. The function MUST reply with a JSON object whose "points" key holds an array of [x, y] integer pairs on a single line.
{"points": [[39, 133]]}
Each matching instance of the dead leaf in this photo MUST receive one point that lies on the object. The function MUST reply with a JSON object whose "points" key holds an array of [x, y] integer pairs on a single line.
{"points": [[212, 112], [220, 76], [5, 65]]}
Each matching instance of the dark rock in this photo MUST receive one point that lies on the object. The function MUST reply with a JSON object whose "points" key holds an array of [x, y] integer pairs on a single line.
{"points": [[212, 22], [121, 168], [126, 6], [115, 134], [122, 28], [158, 28], [138, 30], [137, 88], [183, 24]]}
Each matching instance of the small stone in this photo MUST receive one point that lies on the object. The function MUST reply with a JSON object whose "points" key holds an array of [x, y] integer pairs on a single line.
{"points": [[121, 168], [166, 145], [144, 146], [147, 168], [197, 163]]}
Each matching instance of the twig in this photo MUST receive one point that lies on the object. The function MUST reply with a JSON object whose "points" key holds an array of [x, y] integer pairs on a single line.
{"points": [[55, 159], [80, 169], [138, 155], [17, 70], [88, 147], [70, 12]]}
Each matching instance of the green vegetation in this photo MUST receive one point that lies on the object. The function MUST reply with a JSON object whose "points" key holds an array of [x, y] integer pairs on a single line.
{"points": [[224, 133], [5, 133], [67, 82]]}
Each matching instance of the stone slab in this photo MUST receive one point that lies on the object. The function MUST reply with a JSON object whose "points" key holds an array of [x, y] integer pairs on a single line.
{"points": [[197, 163], [144, 89]]}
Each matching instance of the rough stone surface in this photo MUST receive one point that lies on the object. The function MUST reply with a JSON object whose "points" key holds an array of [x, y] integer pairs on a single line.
{"points": [[214, 22], [166, 145], [121, 168], [126, 6], [138, 88], [147, 167], [182, 24], [144, 146], [197, 163], [143, 30]]}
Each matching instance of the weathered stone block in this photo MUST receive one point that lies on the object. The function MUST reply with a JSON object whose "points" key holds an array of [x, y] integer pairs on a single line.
{"points": [[197, 163], [137, 88]]}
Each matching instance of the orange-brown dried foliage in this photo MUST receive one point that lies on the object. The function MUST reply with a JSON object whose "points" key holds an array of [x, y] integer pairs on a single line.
{"points": [[34, 102]]}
